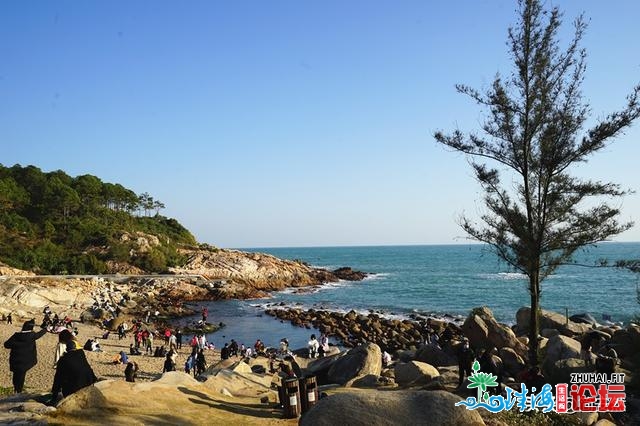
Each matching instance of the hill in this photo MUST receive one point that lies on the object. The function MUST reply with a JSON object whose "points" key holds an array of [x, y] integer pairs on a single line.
{"points": [[52, 223]]}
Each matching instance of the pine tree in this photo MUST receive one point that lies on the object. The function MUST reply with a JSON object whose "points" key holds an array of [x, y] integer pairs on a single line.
{"points": [[538, 214]]}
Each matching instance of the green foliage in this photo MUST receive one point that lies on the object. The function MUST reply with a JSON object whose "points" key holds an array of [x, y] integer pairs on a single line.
{"points": [[537, 214], [53, 223]]}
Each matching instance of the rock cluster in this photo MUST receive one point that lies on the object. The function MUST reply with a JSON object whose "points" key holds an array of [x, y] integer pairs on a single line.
{"points": [[242, 275], [352, 328], [404, 338]]}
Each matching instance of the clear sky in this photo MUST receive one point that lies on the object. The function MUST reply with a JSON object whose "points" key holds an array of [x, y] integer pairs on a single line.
{"points": [[285, 123]]}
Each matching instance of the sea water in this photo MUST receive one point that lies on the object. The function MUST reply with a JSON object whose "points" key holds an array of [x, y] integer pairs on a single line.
{"points": [[436, 280]]}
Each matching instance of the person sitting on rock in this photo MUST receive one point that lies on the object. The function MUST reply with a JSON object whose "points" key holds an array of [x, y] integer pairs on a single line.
{"points": [[446, 336], [133, 350], [169, 363], [324, 345], [233, 348], [313, 345], [224, 352], [73, 372], [607, 360], [131, 371], [466, 356], [259, 347], [95, 346], [386, 359], [492, 364], [589, 342], [284, 346], [295, 367]]}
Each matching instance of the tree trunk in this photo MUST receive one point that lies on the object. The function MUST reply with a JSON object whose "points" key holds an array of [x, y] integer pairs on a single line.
{"points": [[534, 320]]}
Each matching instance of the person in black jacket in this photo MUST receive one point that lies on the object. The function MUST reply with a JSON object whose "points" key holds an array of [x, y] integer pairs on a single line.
{"points": [[23, 354], [466, 356], [73, 372]]}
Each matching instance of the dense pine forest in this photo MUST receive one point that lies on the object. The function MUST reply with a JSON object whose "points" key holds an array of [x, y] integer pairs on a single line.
{"points": [[52, 223]]}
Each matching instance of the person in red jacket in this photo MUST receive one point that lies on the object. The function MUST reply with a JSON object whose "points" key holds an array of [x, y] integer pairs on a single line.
{"points": [[23, 355]]}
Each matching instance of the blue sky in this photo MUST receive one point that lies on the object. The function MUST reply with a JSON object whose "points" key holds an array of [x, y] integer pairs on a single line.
{"points": [[284, 123]]}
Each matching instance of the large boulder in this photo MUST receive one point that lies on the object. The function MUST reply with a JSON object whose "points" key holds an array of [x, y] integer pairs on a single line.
{"points": [[176, 399], [238, 383], [560, 371], [561, 347], [359, 361], [436, 356], [372, 408], [414, 373], [320, 368], [484, 332], [549, 319], [585, 318], [513, 363], [627, 342]]}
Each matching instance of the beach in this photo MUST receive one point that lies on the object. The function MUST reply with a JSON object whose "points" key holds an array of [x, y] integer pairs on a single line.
{"points": [[40, 378]]}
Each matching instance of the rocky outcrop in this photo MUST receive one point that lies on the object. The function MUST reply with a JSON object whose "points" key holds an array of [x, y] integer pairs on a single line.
{"points": [[561, 370], [435, 356], [6, 270], [248, 275], [27, 296], [485, 332], [349, 274], [561, 347], [353, 329], [549, 319], [372, 408], [177, 398], [19, 410], [414, 373], [358, 362], [513, 363], [627, 342]]}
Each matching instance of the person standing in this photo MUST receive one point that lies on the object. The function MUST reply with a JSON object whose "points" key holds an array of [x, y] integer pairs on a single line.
{"points": [[466, 356], [201, 362], [173, 343], [23, 355], [179, 338], [313, 346]]}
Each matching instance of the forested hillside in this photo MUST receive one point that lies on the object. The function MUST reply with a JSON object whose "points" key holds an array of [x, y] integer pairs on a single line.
{"points": [[52, 223]]}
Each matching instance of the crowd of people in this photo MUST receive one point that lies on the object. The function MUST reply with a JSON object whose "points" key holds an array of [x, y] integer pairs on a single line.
{"points": [[73, 371]]}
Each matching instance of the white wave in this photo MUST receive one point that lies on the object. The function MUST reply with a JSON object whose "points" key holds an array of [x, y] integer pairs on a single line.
{"points": [[505, 276], [378, 276]]}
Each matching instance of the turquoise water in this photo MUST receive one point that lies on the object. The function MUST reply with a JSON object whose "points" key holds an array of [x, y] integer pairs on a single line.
{"points": [[439, 280]]}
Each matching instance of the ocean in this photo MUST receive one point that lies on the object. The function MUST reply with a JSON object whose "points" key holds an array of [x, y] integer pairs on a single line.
{"points": [[434, 280]]}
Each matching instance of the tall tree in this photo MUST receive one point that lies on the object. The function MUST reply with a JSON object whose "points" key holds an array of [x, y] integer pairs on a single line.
{"points": [[537, 214], [157, 206]]}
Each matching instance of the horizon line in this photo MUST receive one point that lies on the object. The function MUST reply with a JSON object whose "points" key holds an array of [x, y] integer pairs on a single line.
{"points": [[399, 245]]}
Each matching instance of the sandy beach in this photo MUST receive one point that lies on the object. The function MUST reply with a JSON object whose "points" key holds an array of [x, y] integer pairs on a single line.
{"points": [[40, 378]]}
